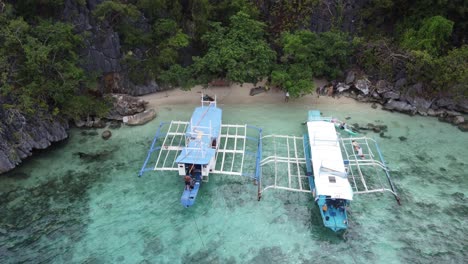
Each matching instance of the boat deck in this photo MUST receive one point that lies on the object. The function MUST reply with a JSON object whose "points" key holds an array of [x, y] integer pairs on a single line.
{"points": [[238, 152], [284, 167]]}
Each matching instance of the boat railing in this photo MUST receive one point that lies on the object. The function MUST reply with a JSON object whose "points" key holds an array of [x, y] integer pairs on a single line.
{"points": [[208, 102], [292, 161], [172, 135], [368, 159]]}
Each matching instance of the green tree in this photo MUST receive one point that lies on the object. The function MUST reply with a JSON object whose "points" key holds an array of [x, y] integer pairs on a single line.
{"points": [[161, 51], [239, 52], [431, 37], [115, 12], [39, 65], [451, 73], [307, 55]]}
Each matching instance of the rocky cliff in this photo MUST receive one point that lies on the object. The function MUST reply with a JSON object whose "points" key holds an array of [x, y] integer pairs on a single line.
{"points": [[102, 52], [20, 134]]}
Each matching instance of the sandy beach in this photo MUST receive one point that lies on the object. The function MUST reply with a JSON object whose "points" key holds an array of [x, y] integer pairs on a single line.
{"points": [[237, 94]]}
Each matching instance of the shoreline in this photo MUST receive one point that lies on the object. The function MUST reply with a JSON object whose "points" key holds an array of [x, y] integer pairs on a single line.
{"points": [[237, 94]]}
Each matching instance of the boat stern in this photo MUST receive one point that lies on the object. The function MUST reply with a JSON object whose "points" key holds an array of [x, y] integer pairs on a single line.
{"points": [[189, 196], [333, 213]]}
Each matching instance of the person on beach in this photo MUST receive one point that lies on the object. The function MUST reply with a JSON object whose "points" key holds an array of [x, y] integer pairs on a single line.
{"points": [[286, 98]]}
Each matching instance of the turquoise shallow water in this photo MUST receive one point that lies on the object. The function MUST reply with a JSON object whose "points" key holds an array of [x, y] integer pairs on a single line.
{"points": [[59, 207]]}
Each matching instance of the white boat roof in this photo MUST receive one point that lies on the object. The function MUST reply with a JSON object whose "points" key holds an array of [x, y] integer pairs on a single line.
{"points": [[327, 161]]}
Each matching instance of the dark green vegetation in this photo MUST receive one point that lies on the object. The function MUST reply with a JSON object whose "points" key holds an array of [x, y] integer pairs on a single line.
{"points": [[182, 43], [39, 66]]}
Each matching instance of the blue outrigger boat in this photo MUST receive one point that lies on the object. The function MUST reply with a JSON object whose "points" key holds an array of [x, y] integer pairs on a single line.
{"points": [[198, 157], [192, 149]]}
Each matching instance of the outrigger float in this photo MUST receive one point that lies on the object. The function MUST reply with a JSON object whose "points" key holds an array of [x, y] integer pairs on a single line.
{"points": [[322, 162]]}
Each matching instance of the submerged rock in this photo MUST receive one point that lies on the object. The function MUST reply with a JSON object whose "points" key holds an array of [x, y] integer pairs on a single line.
{"points": [[115, 124], [463, 126], [106, 134]]}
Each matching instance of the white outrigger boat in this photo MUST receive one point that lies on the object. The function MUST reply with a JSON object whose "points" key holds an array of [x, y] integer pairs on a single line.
{"points": [[325, 164], [329, 180]]}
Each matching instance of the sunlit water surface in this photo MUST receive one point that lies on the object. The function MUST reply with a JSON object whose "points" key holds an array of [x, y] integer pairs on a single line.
{"points": [[59, 207]]}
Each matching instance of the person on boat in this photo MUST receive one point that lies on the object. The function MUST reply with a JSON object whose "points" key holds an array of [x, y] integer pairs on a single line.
{"points": [[342, 125], [360, 153], [358, 148], [188, 182], [325, 207]]}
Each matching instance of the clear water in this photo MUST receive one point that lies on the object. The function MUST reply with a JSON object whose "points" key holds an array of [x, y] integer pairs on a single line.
{"points": [[59, 207]]}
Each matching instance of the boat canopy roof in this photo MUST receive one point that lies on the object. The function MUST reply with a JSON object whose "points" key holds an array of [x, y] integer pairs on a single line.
{"points": [[193, 154], [204, 118], [205, 125], [329, 171]]}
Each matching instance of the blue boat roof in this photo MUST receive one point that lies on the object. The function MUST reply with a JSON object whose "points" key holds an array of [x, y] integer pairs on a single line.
{"points": [[198, 150], [202, 117], [314, 115]]}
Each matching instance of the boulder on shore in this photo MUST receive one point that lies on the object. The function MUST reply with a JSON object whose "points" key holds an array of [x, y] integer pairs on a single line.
{"points": [[140, 118], [125, 105], [400, 106]]}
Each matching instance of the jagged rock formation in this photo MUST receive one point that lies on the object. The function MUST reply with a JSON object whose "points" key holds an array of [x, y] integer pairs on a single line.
{"points": [[102, 50], [20, 134], [341, 14], [402, 97], [125, 105]]}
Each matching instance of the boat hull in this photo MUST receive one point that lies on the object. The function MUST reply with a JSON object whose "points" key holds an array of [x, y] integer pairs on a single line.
{"points": [[334, 216], [189, 196]]}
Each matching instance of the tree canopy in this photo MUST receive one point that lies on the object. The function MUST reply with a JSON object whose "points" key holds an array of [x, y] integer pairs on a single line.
{"points": [[39, 67], [183, 43], [431, 37], [238, 52], [307, 55]]}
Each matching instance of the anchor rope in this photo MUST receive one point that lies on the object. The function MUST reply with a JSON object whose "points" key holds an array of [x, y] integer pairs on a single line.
{"points": [[198, 230]]}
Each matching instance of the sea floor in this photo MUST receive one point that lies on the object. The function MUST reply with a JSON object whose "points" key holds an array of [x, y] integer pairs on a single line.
{"points": [[82, 202]]}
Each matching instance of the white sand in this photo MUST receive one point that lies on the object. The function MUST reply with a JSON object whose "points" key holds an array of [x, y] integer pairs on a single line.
{"points": [[236, 94]]}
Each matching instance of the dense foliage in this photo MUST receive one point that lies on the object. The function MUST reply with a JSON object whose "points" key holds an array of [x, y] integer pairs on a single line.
{"points": [[183, 43], [307, 55], [39, 68], [239, 52]]}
